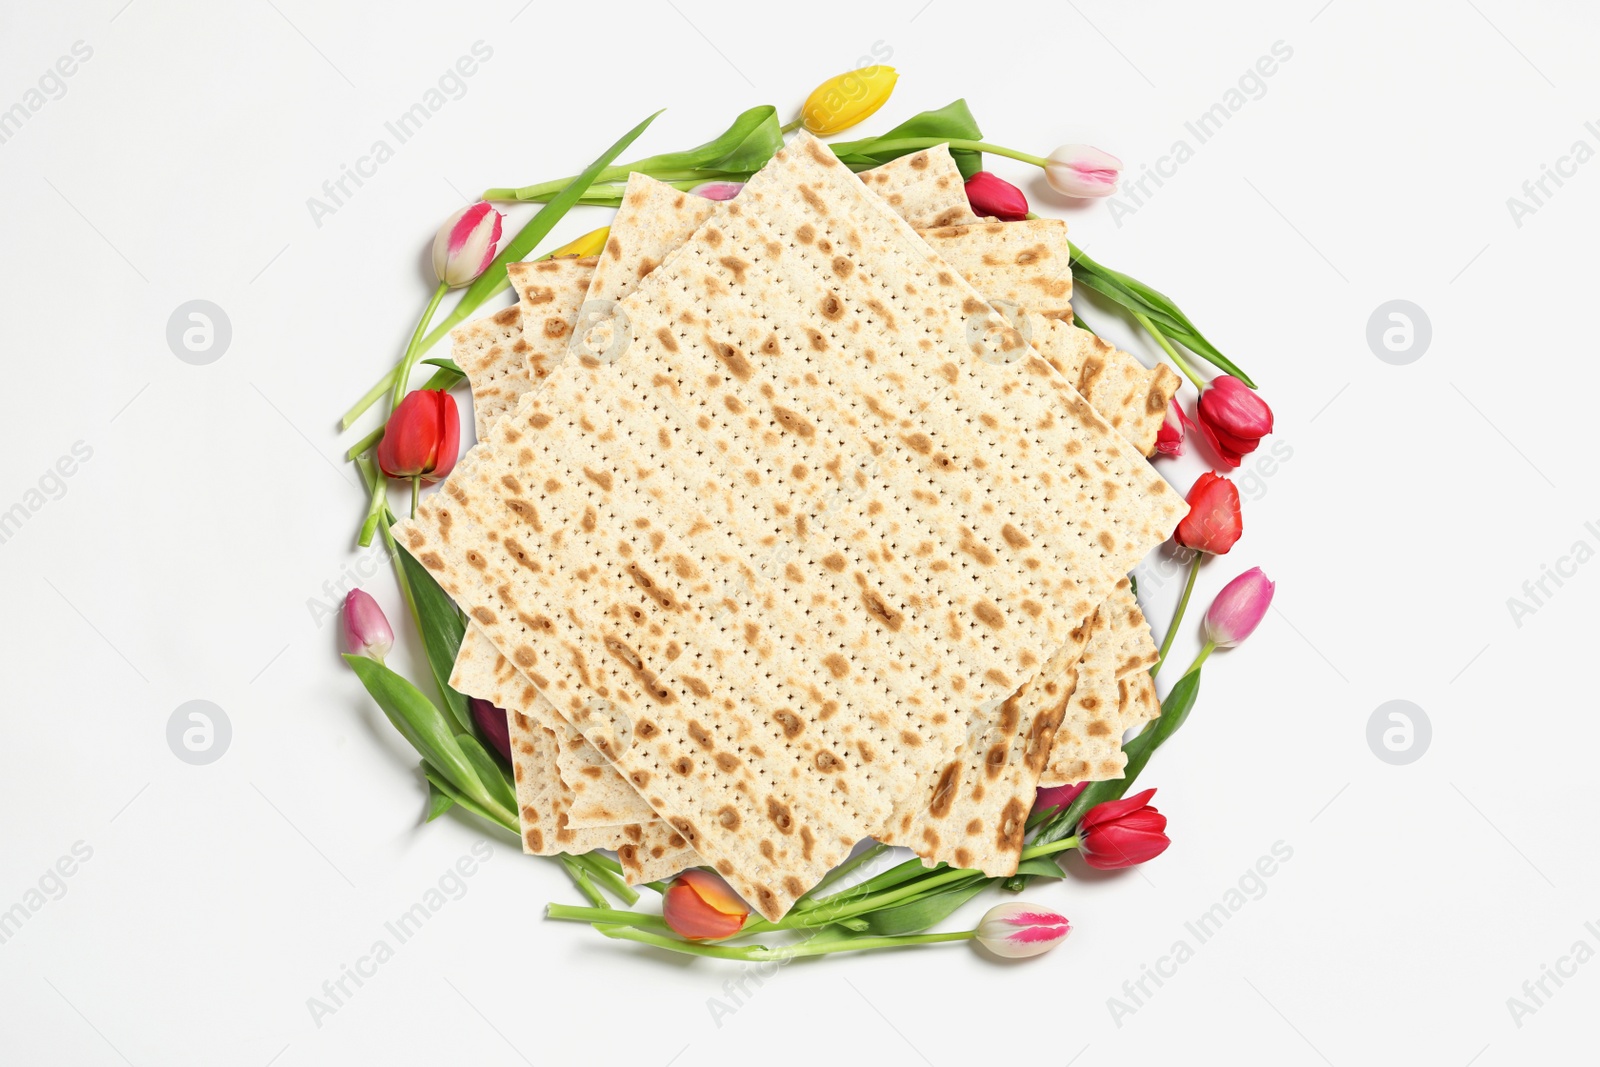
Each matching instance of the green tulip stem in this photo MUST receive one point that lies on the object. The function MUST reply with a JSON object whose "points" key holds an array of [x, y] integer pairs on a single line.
{"points": [[790, 127], [759, 953], [383, 385], [416, 491], [1161, 339], [1049, 848], [913, 144], [413, 350], [610, 916], [1177, 616], [580, 875], [840, 871], [375, 480], [607, 879], [844, 909], [1205, 654], [366, 442]]}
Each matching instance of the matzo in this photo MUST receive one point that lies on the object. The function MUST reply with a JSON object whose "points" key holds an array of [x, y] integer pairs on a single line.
{"points": [[924, 188], [579, 453], [1133, 397], [549, 293], [491, 352], [647, 851], [1088, 740], [651, 222], [1027, 264]]}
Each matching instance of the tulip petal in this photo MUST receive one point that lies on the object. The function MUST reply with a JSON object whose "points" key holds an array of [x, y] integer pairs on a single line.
{"points": [[448, 448], [1112, 810]]}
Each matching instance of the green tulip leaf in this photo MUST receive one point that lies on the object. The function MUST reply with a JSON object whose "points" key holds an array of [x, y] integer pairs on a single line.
{"points": [[442, 629], [424, 726], [1041, 867], [954, 121], [439, 801], [495, 777], [921, 914], [744, 146], [504, 820]]}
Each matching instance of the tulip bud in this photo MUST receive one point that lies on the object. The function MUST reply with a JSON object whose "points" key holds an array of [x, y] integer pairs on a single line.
{"points": [[422, 438], [842, 101], [699, 906], [1233, 417], [1122, 833], [1214, 522], [1169, 439], [492, 721], [465, 245], [1016, 930], [1080, 170], [1239, 608], [717, 190], [1055, 797], [991, 195], [366, 630]]}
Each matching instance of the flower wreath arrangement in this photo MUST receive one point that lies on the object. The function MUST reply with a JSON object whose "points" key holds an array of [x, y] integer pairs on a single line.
{"points": [[464, 742]]}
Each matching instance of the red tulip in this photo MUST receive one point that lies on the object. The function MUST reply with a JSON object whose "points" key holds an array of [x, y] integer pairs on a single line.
{"points": [[990, 194], [422, 438], [492, 721], [1122, 833], [1214, 522], [1233, 417], [1055, 797], [700, 906], [1169, 439]]}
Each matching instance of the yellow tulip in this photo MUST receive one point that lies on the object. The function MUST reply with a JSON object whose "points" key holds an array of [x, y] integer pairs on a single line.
{"points": [[842, 101], [590, 244]]}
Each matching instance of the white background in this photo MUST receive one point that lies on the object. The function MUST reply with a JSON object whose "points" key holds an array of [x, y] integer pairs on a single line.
{"points": [[183, 559]]}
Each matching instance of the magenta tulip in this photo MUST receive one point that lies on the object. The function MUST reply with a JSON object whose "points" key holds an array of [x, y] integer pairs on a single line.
{"points": [[1239, 608], [366, 630]]}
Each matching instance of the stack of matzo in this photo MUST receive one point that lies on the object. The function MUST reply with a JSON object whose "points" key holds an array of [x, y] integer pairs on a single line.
{"points": [[807, 543]]}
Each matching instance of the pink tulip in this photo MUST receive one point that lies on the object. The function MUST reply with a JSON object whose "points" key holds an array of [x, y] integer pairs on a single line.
{"points": [[1081, 170], [1016, 931], [991, 195], [466, 244], [1233, 417], [492, 721], [1122, 833], [1056, 797], [366, 630], [718, 190], [1239, 608]]}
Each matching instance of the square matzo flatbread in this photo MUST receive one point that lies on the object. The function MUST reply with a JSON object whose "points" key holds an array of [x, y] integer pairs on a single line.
{"points": [[598, 443]]}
